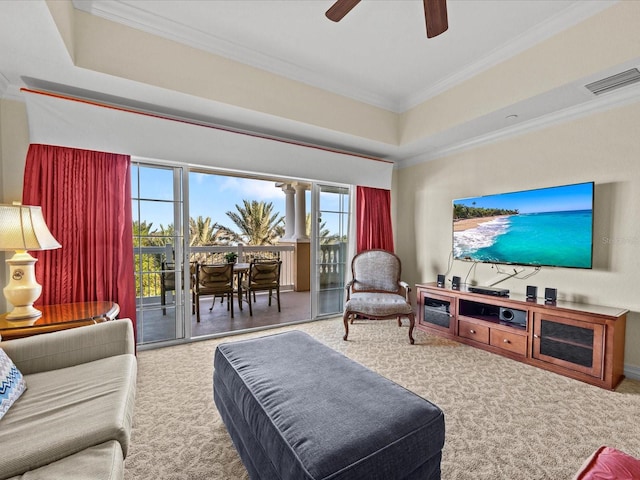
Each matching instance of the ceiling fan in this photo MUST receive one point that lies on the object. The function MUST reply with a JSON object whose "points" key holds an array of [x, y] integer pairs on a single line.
{"points": [[435, 14]]}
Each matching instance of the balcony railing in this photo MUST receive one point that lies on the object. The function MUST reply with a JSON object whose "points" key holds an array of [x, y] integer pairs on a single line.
{"points": [[332, 262], [246, 253], [149, 261], [332, 265]]}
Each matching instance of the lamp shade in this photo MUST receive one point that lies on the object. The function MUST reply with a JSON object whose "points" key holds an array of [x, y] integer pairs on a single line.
{"points": [[22, 227]]}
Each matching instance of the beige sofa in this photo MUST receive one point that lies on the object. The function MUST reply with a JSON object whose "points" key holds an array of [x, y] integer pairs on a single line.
{"points": [[74, 420]]}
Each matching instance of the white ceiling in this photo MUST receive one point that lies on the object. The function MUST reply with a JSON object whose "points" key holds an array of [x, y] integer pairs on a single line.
{"points": [[378, 54]]}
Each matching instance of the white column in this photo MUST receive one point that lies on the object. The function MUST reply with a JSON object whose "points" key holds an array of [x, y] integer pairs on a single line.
{"points": [[289, 216], [301, 211]]}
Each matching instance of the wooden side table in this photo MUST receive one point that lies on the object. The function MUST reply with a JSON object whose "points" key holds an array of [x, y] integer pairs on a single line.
{"points": [[59, 317]]}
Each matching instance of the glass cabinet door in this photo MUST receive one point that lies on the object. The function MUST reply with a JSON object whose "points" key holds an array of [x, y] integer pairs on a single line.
{"points": [[569, 343], [436, 311]]}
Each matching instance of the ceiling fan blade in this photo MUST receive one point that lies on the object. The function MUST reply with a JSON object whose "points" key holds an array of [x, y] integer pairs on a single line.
{"points": [[435, 14], [340, 9]]}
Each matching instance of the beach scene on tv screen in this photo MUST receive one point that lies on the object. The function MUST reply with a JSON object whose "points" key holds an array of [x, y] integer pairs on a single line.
{"points": [[550, 226]]}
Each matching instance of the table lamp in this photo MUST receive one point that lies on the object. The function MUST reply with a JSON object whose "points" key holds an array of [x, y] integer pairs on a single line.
{"points": [[22, 228]]}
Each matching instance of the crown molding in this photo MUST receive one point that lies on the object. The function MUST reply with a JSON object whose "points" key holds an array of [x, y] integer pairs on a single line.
{"points": [[136, 18], [569, 17], [156, 25], [606, 102]]}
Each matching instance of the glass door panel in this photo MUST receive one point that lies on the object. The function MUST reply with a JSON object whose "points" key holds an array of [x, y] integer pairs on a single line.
{"points": [[330, 240], [157, 230]]}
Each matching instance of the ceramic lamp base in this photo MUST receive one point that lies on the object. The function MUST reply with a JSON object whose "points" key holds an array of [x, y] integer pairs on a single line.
{"points": [[22, 289]]}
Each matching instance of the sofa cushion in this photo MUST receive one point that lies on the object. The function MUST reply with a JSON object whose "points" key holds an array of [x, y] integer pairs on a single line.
{"points": [[102, 462], [12, 383], [67, 410]]}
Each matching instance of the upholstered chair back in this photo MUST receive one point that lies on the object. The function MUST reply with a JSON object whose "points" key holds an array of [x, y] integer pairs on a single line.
{"points": [[168, 278], [264, 274], [215, 278], [376, 270]]}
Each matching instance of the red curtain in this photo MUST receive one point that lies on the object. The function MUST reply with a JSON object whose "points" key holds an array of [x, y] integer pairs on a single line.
{"points": [[86, 201], [373, 219]]}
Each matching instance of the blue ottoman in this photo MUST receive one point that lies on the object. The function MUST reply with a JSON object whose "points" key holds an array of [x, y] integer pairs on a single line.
{"points": [[298, 410]]}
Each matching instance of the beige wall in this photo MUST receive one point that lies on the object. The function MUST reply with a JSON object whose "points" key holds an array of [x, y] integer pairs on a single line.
{"points": [[115, 49], [14, 142], [603, 147]]}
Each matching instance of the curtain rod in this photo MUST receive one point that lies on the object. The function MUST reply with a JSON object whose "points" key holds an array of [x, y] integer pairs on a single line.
{"points": [[198, 124]]}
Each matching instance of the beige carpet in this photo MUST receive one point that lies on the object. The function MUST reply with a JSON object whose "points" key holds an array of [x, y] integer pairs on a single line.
{"points": [[504, 420]]}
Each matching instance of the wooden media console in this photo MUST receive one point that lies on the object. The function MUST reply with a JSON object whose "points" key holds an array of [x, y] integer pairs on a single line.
{"points": [[581, 341]]}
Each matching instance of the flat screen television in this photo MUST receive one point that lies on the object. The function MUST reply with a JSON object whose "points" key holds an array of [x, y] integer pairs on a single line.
{"points": [[544, 227]]}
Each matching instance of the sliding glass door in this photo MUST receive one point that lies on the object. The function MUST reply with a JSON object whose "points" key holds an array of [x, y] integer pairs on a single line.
{"points": [[158, 230], [162, 206], [330, 247]]}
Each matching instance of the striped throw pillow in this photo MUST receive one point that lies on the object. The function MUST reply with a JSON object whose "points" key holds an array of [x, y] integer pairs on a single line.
{"points": [[12, 383]]}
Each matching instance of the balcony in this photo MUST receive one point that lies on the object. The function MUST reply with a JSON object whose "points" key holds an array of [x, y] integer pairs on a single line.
{"points": [[157, 308]]}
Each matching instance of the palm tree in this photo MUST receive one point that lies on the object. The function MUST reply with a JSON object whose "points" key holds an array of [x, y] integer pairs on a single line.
{"points": [[142, 234], [145, 236], [203, 231], [323, 232], [257, 223]]}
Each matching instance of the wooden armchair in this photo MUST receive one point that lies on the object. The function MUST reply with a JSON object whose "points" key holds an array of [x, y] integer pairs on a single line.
{"points": [[376, 291], [264, 275], [216, 280]]}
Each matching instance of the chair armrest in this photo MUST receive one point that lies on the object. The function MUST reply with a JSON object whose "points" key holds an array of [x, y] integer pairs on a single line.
{"points": [[51, 351], [407, 290], [347, 287]]}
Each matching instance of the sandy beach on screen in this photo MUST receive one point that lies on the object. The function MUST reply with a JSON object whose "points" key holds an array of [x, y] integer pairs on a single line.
{"points": [[467, 223]]}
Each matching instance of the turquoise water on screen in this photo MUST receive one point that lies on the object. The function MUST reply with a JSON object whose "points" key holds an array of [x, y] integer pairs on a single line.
{"points": [[553, 238]]}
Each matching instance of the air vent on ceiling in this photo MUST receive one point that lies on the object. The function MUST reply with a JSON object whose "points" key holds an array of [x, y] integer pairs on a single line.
{"points": [[614, 81]]}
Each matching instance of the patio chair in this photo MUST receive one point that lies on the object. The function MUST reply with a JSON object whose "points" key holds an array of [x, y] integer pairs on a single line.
{"points": [[264, 275], [376, 292], [168, 283], [216, 280]]}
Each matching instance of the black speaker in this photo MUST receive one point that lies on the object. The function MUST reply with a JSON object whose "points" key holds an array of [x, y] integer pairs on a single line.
{"points": [[440, 281], [455, 283], [514, 316], [532, 293], [550, 295]]}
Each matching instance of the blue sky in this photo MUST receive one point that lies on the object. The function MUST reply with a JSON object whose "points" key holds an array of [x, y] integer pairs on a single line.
{"points": [[553, 199], [214, 195], [209, 195]]}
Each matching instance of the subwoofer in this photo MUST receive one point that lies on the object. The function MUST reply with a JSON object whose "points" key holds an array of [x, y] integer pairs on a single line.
{"points": [[514, 316]]}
